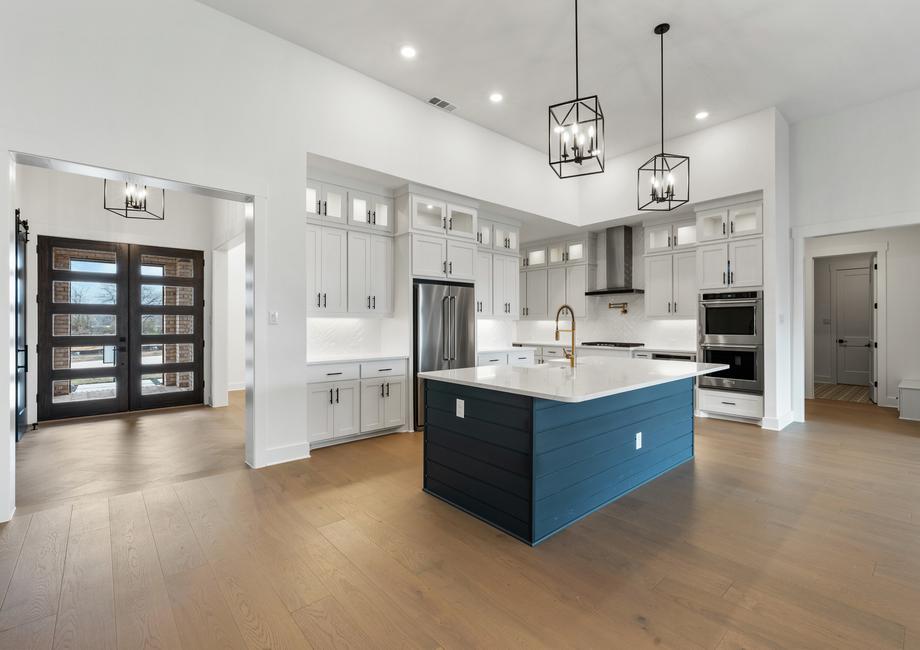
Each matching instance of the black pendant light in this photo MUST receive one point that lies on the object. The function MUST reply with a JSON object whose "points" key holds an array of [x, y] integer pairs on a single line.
{"points": [[576, 131], [133, 204], [664, 181]]}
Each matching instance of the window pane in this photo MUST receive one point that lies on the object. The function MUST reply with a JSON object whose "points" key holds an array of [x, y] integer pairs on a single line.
{"points": [[167, 382], [166, 266], [86, 356], [157, 324], [83, 389], [85, 293], [158, 294], [84, 325], [167, 353], [88, 261]]}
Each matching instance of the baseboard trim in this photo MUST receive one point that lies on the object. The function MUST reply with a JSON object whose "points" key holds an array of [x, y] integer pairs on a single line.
{"points": [[279, 455], [239, 386], [780, 423]]}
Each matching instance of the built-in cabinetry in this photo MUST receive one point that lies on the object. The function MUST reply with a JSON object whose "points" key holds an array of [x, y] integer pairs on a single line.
{"points": [[496, 286], [521, 357], [327, 270], [556, 273], [442, 258], [370, 211], [666, 237], [345, 400], [498, 236], [327, 202], [370, 273], [731, 254], [670, 285], [736, 221]]}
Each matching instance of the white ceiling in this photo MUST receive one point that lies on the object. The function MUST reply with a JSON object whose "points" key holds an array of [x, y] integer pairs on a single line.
{"points": [[730, 57]]}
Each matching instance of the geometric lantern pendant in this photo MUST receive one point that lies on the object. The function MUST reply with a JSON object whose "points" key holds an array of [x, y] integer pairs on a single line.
{"points": [[576, 131], [134, 201], [663, 182]]}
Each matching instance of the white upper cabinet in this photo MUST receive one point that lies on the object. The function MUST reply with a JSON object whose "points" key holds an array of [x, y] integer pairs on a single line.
{"points": [[370, 211], [577, 281], [535, 257], [359, 209], [555, 289], [461, 222], [576, 251], [745, 220], [712, 225], [429, 256], [537, 295], [484, 275], [505, 296], [429, 215], [370, 273], [745, 259], [506, 238], [484, 230], [327, 202], [381, 269], [461, 260], [712, 266], [327, 270], [658, 238], [658, 281], [683, 234], [684, 289]]}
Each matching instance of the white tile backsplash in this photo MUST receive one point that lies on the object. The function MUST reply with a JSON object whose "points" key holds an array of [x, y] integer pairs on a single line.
{"points": [[343, 336], [603, 324]]}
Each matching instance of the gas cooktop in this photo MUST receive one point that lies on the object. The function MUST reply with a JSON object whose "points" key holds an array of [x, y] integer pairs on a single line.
{"points": [[613, 344]]}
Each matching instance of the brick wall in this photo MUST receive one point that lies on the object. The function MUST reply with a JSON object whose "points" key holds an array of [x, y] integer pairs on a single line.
{"points": [[173, 267], [63, 256]]}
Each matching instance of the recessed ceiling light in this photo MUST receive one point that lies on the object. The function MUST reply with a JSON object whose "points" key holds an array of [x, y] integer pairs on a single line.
{"points": [[702, 115], [407, 51], [495, 98]]}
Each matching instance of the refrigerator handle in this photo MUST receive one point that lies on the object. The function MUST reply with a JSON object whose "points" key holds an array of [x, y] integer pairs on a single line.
{"points": [[445, 328], [453, 326]]}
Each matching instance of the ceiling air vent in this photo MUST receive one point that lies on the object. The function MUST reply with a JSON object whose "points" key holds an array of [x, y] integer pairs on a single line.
{"points": [[442, 103]]}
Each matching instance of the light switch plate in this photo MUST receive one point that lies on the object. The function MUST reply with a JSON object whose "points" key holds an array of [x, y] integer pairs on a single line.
{"points": [[273, 318], [460, 408], [639, 440]]}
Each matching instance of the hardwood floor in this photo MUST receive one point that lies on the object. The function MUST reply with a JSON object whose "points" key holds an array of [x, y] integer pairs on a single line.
{"points": [[805, 538], [67, 460], [842, 392]]}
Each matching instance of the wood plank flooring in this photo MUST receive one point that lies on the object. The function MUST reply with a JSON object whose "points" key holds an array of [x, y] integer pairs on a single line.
{"points": [[804, 538], [842, 392]]}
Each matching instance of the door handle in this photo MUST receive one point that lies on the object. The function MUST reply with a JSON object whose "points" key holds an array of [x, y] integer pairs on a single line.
{"points": [[445, 330], [452, 304]]}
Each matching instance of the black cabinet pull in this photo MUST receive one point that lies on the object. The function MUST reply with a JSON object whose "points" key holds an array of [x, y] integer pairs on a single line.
{"points": [[319, 299], [374, 217], [336, 395], [330, 396], [324, 300], [723, 227], [669, 241], [669, 307], [388, 389], [333, 374], [675, 306], [729, 403], [381, 390], [368, 302], [444, 266], [723, 277], [733, 227], [450, 267], [450, 223], [319, 207], [325, 209], [375, 302], [385, 370], [368, 216]]}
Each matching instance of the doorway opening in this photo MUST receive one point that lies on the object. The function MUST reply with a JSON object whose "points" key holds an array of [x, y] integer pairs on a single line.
{"points": [[117, 362], [845, 326]]}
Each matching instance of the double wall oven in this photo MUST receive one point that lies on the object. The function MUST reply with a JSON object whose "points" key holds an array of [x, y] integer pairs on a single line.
{"points": [[731, 333]]}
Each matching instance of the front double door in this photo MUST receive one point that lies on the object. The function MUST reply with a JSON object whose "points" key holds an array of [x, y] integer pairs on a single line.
{"points": [[120, 327]]}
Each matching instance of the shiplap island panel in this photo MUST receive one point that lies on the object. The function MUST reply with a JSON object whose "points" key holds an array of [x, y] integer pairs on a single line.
{"points": [[498, 448]]}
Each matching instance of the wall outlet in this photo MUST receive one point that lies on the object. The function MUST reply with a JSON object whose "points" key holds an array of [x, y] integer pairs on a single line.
{"points": [[639, 440], [459, 408], [273, 318]]}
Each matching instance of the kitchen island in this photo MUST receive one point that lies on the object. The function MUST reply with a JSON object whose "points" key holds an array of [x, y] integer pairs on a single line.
{"points": [[532, 449]]}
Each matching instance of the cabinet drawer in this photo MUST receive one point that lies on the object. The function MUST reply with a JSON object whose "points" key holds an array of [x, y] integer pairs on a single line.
{"points": [[737, 404], [385, 368], [332, 372], [524, 358], [553, 353], [496, 359]]}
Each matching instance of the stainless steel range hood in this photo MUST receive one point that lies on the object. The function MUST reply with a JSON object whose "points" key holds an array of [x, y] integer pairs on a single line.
{"points": [[619, 262]]}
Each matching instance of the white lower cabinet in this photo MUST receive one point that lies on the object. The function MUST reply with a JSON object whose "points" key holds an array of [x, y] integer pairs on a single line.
{"points": [[332, 410], [492, 359], [741, 405], [383, 403]]}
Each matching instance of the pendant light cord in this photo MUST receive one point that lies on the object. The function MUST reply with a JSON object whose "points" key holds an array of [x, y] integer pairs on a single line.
{"points": [[662, 92], [576, 50]]}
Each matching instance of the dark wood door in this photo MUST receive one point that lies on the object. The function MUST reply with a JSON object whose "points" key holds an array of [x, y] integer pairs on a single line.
{"points": [[22, 345], [120, 327], [166, 339], [82, 327]]}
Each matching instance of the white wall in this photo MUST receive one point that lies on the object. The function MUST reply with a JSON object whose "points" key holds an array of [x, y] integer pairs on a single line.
{"points": [[902, 300], [59, 204], [224, 105], [236, 317]]}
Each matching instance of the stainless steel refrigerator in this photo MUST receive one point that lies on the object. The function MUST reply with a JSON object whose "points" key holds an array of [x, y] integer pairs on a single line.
{"points": [[444, 330]]}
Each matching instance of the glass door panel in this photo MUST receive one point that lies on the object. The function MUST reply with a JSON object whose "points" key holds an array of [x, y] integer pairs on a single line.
{"points": [[83, 328]]}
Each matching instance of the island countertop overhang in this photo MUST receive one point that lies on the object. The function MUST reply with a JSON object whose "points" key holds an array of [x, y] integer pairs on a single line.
{"points": [[585, 382]]}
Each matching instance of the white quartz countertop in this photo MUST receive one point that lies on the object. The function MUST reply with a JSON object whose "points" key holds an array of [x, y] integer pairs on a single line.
{"points": [[591, 379], [353, 358]]}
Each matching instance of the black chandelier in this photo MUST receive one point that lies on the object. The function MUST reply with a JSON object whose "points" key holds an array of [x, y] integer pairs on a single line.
{"points": [[576, 131], [664, 180], [134, 204]]}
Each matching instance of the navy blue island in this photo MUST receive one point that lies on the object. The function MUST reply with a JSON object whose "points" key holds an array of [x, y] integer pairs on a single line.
{"points": [[532, 449]]}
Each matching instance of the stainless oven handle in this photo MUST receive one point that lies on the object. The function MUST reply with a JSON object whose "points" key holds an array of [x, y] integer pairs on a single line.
{"points": [[737, 303], [731, 346]]}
